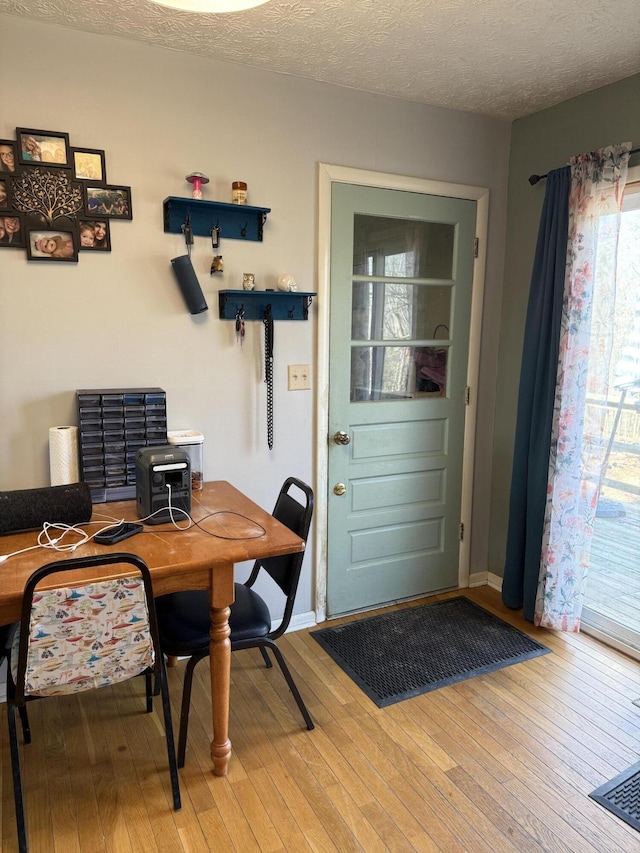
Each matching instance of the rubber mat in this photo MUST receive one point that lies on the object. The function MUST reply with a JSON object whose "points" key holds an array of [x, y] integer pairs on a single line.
{"points": [[621, 796], [411, 651]]}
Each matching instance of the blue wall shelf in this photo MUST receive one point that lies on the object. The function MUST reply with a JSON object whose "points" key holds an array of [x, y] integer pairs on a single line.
{"points": [[284, 305], [235, 221]]}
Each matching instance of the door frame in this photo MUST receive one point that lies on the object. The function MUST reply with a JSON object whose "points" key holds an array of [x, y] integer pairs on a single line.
{"points": [[328, 174]]}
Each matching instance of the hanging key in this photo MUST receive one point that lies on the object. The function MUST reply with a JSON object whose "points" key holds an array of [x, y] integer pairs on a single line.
{"points": [[240, 326]]}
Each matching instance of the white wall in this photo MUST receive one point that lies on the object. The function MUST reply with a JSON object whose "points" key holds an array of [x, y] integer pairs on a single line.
{"points": [[118, 319]]}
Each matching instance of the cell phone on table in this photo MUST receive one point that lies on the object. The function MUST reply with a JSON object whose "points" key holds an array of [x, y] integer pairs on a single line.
{"points": [[117, 533]]}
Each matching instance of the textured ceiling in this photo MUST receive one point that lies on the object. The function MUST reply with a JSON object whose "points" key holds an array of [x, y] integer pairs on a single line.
{"points": [[503, 58]]}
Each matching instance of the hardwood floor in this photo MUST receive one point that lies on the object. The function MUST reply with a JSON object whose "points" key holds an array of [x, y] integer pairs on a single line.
{"points": [[501, 763]]}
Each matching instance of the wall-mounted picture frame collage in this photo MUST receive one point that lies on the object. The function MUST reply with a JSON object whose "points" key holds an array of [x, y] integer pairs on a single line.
{"points": [[55, 201]]}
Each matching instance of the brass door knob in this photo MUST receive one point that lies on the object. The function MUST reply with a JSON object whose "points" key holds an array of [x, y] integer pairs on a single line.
{"points": [[339, 489], [341, 437]]}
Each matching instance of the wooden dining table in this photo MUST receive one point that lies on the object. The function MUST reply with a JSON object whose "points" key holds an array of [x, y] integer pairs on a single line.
{"points": [[230, 528]]}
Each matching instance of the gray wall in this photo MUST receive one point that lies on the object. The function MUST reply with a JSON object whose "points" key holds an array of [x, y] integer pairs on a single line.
{"points": [[118, 319], [539, 143]]}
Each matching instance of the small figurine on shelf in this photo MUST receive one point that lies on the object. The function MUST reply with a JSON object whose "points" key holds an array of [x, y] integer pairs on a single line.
{"points": [[287, 283], [216, 264], [197, 179], [248, 281]]}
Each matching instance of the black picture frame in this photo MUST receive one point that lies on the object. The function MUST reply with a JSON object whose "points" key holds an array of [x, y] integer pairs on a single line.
{"points": [[107, 201], [12, 239], [5, 192], [4, 165], [40, 239], [89, 164], [42, 147], [101, 235]]}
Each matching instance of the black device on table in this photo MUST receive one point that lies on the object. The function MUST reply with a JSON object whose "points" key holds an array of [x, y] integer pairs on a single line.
{"points": [[163, 483], [118, 533]]}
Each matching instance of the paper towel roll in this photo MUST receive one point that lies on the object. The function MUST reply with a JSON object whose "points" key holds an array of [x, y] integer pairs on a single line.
{"points": [[63, 455]]}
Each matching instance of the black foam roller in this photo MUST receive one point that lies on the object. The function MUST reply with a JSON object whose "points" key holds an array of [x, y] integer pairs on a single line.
{"points": [[28, 509], [189, 285]]}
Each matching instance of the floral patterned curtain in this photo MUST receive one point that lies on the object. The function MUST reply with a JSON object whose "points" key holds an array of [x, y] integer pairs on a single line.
{"points": [[579, 438]]}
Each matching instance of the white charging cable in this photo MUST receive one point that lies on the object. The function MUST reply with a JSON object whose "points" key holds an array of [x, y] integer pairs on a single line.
{"points": [[177, 509], [52, 538]]}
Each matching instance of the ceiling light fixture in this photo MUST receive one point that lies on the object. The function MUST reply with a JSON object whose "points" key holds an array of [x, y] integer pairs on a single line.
{"points": [[211, 7]]}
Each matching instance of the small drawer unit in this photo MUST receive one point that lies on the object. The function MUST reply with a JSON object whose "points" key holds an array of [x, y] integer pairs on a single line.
{"points": [[113, 424]]}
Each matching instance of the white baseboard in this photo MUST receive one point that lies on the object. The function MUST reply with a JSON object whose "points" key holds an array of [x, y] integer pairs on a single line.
{"points": [[485, 579], [300, 621], [494, 581]]}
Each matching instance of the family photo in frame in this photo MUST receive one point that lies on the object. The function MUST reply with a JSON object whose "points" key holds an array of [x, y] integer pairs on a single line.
{"points": [[88, 164], [4, 194], [7, 155], [94, 235], [52, 245], [11, 232], [111, 201], [42, 146]]}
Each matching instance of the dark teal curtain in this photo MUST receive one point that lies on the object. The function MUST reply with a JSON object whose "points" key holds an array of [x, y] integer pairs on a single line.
{"points": [[536, 398]]}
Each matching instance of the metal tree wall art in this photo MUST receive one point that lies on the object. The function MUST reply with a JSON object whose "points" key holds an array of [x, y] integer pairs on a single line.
{"points": [[49, 194], [54, 199]]}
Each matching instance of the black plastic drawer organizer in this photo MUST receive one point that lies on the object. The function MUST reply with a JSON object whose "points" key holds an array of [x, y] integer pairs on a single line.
{"points": [[113, 425]]}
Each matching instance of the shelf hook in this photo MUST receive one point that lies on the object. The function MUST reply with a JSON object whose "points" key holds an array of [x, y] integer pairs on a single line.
{"points": [[188, 232], [305, 307]]}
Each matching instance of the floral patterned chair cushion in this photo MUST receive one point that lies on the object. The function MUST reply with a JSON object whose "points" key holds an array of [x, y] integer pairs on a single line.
{"points": [[86, 637]]}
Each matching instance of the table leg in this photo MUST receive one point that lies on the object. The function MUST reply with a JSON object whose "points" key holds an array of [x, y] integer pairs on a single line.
{"points": [[220, 662]]}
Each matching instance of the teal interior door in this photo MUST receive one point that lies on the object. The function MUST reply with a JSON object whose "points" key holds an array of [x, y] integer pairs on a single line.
{"points": [[401, 281]]}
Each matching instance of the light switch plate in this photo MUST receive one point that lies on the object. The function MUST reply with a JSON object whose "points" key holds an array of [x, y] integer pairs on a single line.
{"points": [[299, 377]]}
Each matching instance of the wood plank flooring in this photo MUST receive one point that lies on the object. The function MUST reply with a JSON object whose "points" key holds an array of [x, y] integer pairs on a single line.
{"points": [[502, 763]]}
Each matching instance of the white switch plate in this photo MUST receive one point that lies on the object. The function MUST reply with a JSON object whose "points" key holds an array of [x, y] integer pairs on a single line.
{"points": [[299, 377]]}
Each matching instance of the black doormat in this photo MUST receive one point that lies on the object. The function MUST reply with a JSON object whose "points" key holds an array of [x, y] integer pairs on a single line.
{"points": [[621, 796], [418, 649]]}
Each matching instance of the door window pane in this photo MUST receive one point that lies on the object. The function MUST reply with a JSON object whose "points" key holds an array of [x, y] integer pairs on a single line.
{"points": [[395, 311], [398, 373], [401, 310], [402, 248]]}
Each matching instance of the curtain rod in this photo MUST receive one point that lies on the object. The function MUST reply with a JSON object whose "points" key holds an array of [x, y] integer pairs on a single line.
{"points": [[533, 179]]}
